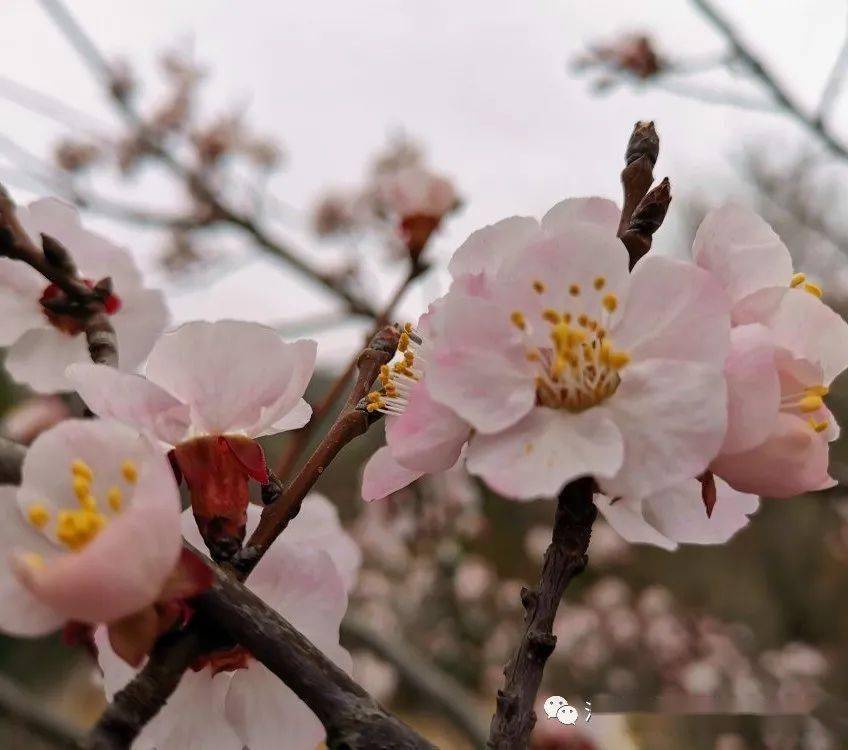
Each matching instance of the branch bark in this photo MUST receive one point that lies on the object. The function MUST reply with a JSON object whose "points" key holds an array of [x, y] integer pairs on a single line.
{"points": [[565, 558]]}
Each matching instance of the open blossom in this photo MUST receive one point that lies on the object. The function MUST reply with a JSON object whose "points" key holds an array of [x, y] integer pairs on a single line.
{"points": [[787, 346], [229, 700], [566, 365], [209, 390], [42, 343], [93, 532]]}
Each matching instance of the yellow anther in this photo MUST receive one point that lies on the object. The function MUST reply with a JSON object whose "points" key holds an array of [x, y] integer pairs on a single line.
{"points": [[813, 289], [82, 487], [583, 320], [617, 360], [574, 290], [129, 471], [115, 498], [599, 283], [38, 515], [539, 286], [798, 279], [407, 328], [558, 367], [606, 351], [80, 468], [409, 357], [403, 344], [88, 502], [818, 426], [560, 335], [518, 320], [551, 315], [817, 390], [810, 404], [532, 356], [566, 317], [610, 302], [373, 397]]}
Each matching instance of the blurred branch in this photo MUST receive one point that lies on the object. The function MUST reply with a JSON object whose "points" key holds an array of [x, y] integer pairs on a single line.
{"points": [[835, 81], [565, 558], [194, 180], [11, 459], [24, 711], [431, 684]]}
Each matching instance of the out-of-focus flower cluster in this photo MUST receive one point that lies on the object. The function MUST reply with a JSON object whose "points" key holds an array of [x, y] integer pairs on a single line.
{"points": [[633, 55]]}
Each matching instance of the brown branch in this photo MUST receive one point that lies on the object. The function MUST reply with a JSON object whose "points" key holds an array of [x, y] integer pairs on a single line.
{"points": [[11, 459], [643, 208], [565, 558]]}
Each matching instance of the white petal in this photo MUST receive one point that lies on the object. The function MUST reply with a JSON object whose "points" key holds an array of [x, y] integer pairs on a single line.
{"points": [[625, 516], [40, 357], [383, 475], [544, 451], [600, 211], [140, 321], [295, 419], [486, 249], [236, 376], [672, 416], [21, 288]]}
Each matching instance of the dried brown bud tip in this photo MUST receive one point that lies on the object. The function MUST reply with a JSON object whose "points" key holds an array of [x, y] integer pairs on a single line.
{"points": [[650, 213], [644, 141], [57, 255], [104, 287]]}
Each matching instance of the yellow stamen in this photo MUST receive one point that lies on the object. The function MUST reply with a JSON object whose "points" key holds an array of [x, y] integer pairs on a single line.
{"points": [[38, 515], [407, 328], [518, 320], [599, 283], [82, 487], [583, 320], [618, 360], [574, 290], [403, 344], [818, 426], [539, 286], [88, 502], [129, 471], [610, 302], [80, 468], [551, 316], [813, 289], [115, 498], [798, 279], [810, 404], [817, 390]]}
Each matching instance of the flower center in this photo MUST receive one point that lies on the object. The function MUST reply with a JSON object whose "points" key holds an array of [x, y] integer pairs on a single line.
{"points": [[580, 366], [397, 378], [61, 314], [75, 528], [800, 280], [807, 402]]}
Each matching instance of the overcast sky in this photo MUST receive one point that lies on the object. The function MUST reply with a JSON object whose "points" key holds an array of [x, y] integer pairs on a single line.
{"points": [[483, 83]]}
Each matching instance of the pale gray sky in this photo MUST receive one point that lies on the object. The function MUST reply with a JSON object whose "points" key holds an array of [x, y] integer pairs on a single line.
{"points": [[484, 84]]}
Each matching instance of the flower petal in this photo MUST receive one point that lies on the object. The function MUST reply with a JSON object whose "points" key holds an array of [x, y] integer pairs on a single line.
{"points": [[21, 288], [486, 249], [40, 357], [547, 449], [672, 416], [130, 399], [742, 251], [383, 476], [753, 388], [427, 436], [295, 419], [594, 210], [139, 322], [674, 310], [21, 613], [625, 516], [236, 376], [678, 513], [793, 460]]}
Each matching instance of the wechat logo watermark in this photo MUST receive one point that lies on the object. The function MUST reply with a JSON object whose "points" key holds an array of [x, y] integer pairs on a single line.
{"points": [[557, 707]]}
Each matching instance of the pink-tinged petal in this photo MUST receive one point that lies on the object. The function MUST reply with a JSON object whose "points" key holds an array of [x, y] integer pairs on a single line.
{"points": [[263, 710], [544, 451], [131, 399], [21, 288], [40, 357], [742, 251], [573, 259], [753, 388], [793, 460], [759, 306], [95, 256], [678, 513], [317, 526], [674, 310], [295, 419], [236, 376], [21, 613], [627, 519], [139, 322], [427, 436], [383, 476], [672, 416], [486, 249], [600, 211], [190, 577], [124, 568], [479, 368], [811, 330]]}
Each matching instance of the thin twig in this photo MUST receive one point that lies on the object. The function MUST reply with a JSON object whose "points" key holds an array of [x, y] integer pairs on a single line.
{"points": [[22, 710], [429, 683]]}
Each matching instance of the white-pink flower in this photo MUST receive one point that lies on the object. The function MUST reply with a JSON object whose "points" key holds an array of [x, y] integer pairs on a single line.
{"points": [[93, 532], [209, 390], [231, 701], [41, 343], [787, 346], [566, 365], [414, 191]]}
